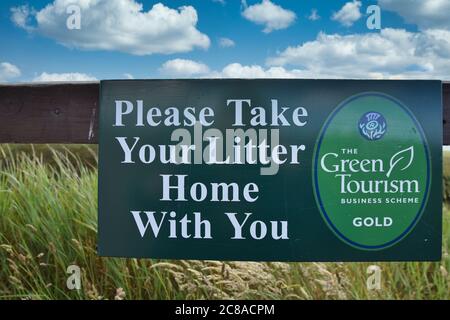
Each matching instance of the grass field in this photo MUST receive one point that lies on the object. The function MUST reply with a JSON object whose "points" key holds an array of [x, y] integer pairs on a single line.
{"points": [[48, 221]]}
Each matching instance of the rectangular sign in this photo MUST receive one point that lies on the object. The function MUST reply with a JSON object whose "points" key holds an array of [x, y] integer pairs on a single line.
{"points": [[271, 170]]}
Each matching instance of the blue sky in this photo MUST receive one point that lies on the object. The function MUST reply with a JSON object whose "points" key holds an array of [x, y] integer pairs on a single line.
{"points": [[182, 38]]}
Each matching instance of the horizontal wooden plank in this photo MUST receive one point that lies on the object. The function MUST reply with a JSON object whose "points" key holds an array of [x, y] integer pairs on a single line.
{"points": [[446, 111], [68, 113], [49, 113]]}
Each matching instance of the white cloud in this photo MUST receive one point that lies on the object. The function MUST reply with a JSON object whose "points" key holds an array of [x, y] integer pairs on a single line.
{"points": [[236, 70], [222, 2], [389, 54], [424, 13], [118, 25], [8, 71], [20, 16], [63, 77], [183, 68], [314, 16], [272, 16], [392, 53], [128, 76], [349, 13], [189, 68], [226, 43]]}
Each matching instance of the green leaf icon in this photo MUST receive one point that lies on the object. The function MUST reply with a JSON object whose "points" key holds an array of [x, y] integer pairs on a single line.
{"points": [[403, 156]]}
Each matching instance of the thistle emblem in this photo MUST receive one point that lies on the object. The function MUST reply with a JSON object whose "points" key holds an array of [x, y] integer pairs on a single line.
{"points": [[372, 126]]}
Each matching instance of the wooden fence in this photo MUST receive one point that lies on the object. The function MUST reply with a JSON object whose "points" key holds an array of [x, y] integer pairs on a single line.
{"points": [[68, 113]]}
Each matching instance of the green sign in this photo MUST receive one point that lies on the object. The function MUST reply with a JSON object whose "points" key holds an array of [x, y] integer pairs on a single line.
{"points": [[271, 170]]}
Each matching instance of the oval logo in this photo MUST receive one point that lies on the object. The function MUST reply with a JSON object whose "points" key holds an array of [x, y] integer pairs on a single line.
{"points": [[371, 171]]}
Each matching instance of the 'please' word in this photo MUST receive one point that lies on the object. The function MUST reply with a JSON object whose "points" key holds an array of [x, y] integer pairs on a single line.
{"points": [[140, 116]]}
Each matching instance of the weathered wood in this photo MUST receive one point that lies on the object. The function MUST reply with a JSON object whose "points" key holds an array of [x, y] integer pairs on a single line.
{"points": [[446, 111], [68, 113], [49, 113]]}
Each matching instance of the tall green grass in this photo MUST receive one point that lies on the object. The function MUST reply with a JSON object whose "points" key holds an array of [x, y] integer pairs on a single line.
{"points": [[48, 221]]}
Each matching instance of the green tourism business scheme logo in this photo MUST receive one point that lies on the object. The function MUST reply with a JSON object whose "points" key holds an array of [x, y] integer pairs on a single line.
{"points": [[371, 171]]}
